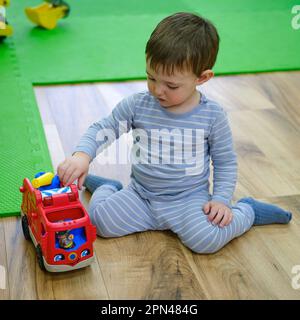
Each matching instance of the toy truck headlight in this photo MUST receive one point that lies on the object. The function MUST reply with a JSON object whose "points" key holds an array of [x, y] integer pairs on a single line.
{"points": [[59, 257], [85, 253]]}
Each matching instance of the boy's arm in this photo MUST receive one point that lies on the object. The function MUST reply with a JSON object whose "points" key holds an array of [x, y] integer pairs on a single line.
{"points": [[104, 132], [224, 160]]}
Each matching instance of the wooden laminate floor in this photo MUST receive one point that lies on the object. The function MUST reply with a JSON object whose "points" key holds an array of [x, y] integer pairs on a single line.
{"points": [[264, 112]]}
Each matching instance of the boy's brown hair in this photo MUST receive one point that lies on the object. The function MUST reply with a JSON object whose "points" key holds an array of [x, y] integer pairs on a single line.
{"points": [[184, 41]]}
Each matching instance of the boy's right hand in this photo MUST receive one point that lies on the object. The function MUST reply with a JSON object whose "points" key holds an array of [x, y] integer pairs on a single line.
{"points": [[72, 168]]}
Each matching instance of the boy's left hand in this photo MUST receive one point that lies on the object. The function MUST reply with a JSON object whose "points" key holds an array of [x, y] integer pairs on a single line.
{"points": [[218, 213]]}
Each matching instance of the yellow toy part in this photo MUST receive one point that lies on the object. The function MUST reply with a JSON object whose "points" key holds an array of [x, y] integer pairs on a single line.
{"points": [[5, 30], [42, 180], [4, 3], [47, 14]]}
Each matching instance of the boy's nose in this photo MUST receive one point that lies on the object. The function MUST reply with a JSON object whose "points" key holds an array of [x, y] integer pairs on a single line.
{"points": [[158, 91]]}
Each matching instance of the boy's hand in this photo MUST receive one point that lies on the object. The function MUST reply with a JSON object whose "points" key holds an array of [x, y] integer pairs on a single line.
{"points": [[72, 168], [218, 213]]}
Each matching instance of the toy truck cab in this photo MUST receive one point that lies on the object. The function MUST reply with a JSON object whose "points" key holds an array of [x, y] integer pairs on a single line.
{"points": [[59, 227]]}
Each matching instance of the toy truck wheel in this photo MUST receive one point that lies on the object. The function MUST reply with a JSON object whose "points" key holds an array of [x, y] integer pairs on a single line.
{"points": [[39, 255], [25, 228]]}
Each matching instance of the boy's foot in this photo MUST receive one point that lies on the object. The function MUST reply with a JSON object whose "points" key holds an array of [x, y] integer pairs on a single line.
{"points": [[93, 182], [266, 213]]}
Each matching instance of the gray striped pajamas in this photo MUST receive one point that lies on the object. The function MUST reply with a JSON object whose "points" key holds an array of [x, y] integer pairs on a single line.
{"points": [[167, 191]]}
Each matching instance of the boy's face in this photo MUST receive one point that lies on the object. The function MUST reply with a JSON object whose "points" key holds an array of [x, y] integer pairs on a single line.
{"points": [[172, 90]]}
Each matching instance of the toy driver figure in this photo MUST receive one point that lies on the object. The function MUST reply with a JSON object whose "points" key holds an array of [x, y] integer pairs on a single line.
{"points": [[65, 239]]}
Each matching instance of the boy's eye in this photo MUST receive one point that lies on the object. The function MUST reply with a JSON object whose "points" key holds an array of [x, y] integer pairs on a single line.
{"points": [[151, 79], [172, 88]]}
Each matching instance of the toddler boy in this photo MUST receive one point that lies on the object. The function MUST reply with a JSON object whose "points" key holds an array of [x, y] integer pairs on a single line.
{"points": [[169, 187]]}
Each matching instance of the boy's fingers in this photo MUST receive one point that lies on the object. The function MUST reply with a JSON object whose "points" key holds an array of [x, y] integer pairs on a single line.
{"points": [[206, 208], [60, 169], [213, 212], [227, 222], [81, 180], [72, 177], [67, 175], [218, 217], [226, 219], [229, 219], [63, 172]]}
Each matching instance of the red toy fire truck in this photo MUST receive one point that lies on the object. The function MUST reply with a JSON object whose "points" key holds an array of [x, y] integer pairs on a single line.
{"points": [[58, 225]]}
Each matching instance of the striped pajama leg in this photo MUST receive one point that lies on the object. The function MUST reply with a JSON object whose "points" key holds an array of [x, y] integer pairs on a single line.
{"points": [[187, 219], [118, 213]]}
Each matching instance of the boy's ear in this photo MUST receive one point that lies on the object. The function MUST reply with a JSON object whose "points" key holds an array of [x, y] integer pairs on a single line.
{"points": [[205, 76]]}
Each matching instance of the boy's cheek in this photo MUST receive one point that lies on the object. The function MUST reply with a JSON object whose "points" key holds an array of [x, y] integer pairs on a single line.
{"points": [[150, 88]]}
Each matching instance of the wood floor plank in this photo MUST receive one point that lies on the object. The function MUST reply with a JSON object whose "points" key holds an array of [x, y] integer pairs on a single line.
{"points": [[257, 265], [4, 280], [21, 261], [237, 93], [267, 156], [79, 284], [148, 265], [54, 145], [282, 89], [226, 274]]}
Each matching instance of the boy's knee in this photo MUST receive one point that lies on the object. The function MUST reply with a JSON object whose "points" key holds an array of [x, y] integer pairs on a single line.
{"points": [[204, 243], [96, 220]]}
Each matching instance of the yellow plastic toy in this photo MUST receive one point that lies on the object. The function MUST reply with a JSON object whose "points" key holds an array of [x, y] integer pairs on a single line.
{"points": [[5, 29], [42, 180], [47, 14]]}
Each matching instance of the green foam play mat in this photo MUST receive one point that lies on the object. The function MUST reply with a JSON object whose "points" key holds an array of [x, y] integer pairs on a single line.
{"points": [[104, 40]]}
